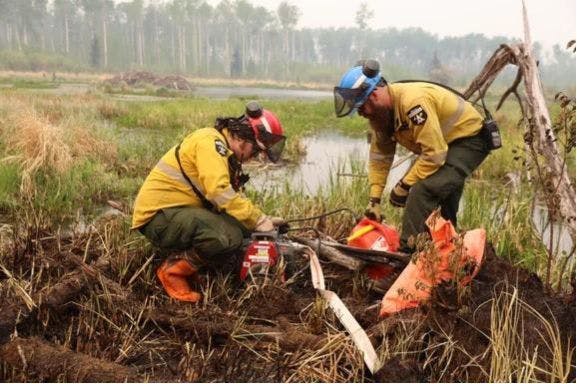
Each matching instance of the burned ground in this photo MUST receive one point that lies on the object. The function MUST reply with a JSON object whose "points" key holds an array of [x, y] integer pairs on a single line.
{"points": [[78, 309]]}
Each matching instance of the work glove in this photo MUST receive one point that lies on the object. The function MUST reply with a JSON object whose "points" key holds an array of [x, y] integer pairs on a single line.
{"points": [[399, 194], [373, 210], [277, 221], [264, 224]]}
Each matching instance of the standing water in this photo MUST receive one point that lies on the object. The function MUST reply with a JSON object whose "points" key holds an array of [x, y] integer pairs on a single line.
{"points": [[328, 156], [554, 235], [261, 93]]}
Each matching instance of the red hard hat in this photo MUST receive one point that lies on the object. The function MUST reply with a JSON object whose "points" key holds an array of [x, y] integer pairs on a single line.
{"points": [[267, 129]]}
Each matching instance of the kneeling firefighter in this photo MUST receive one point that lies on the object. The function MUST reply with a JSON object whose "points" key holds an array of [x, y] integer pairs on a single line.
{"points": [[193, 198]]}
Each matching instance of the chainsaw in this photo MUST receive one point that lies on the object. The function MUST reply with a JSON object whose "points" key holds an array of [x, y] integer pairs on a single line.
{"points": [[269, 255], [272, 255]]}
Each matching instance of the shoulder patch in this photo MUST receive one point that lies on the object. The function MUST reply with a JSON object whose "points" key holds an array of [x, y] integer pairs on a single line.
{"points": [[417, 115], [220, 147]]}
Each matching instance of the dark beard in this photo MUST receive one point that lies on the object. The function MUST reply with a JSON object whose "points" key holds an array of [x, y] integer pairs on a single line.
{"points": [[382, 122]]}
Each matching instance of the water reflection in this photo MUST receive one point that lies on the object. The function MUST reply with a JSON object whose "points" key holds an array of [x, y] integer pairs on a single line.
{"points": [[260, 93], [556, 236], [328, 155], [208, 92]]}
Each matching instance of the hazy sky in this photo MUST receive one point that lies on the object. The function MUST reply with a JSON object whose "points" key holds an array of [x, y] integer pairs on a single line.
{"points": [[551, 21]]}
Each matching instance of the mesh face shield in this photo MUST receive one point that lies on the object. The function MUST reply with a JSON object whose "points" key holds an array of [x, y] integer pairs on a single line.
{"points": [[271, 144], [347, 100]]}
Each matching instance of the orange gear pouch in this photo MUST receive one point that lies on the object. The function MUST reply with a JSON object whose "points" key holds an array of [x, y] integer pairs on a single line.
{"points": [[174, 275], [415, 283]]}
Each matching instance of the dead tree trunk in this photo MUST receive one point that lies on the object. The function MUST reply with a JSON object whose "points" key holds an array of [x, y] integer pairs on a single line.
{"points": [[556, 186]]}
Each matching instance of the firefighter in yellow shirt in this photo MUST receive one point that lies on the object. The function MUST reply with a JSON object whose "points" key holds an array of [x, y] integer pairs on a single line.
{"points": [[442, 128], [192, 198]]}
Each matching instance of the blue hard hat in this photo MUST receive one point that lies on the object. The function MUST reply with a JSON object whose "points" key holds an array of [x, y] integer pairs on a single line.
{"points": [[356, 86]]}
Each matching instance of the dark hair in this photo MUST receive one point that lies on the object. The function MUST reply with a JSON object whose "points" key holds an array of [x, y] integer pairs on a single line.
{"points": [[238, 126]]}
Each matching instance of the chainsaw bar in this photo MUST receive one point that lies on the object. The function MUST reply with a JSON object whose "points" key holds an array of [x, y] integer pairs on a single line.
{"points": [[370, 255]]}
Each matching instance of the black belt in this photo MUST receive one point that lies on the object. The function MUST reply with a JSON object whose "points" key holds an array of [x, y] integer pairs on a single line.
{"points": [[461, 139]]}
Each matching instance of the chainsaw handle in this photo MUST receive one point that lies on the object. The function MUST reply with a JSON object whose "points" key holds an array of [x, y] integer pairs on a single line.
{"points": [[284, 228], [271, 235], [274, 234]]}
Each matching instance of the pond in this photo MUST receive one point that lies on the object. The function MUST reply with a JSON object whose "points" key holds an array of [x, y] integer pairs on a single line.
{"points": [[261, 93], [328, 156], [555, 236], [208, 92]]}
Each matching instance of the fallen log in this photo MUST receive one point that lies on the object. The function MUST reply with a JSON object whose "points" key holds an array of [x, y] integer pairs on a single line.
{"points": [[371, 255], [49, 362]]}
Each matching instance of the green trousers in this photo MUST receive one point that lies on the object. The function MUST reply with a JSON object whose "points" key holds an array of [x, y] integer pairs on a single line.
{"points": [[443, 188], [215, 237]]}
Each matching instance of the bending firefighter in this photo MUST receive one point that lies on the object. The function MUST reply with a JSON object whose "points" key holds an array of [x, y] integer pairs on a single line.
{"points": [[444, 130], [193, 200]]}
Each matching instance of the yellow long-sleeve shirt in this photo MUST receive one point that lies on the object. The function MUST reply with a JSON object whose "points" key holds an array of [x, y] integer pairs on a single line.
{"points": [[427, 118], [204, 157]]}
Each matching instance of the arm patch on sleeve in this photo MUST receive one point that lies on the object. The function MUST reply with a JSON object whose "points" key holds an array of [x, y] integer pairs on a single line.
{"points": [[220, 147], [417, 115]]}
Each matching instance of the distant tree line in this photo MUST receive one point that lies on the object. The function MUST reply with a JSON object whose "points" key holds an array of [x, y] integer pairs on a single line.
{"points": [[232, 39]]}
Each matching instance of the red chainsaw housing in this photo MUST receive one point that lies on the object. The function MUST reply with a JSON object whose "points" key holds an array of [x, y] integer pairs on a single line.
{"points": [[260, 256]]}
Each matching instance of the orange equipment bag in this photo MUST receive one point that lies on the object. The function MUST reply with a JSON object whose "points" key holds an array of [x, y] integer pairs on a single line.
{"points": [[415, 283], [174, 275], [370, 234]]}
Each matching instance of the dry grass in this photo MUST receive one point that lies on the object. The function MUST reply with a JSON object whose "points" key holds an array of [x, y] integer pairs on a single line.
{"points": [[40, 145], [40, 138], [510, 358], [45, 76]]}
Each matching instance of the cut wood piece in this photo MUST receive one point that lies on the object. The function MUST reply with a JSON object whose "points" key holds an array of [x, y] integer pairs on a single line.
{"points": [[95, 272], [371, 255], [50, 362], [64, 291], [332, 254]]}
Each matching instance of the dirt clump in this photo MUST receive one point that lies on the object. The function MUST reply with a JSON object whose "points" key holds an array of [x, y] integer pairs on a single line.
{"points": [[400, 370], [142, 78], [501, 290], [504, 310]]}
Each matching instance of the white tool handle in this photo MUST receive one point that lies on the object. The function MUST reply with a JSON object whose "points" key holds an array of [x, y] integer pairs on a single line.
{"points": [[357, 333]]}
